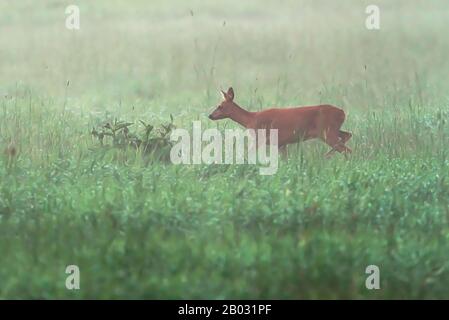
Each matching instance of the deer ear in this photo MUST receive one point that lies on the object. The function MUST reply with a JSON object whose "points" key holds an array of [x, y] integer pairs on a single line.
{"points": [[230, 94], [224, 94]]}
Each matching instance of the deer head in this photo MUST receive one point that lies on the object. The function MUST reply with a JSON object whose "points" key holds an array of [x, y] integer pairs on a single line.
{"points": [[226, 107]]}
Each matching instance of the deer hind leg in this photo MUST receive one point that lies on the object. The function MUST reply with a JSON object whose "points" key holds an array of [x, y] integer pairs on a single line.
{"points": [[335, 141], [344, 136]]}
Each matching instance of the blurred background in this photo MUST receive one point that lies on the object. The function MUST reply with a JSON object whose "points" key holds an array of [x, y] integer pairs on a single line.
{"points": [[272, 52]]}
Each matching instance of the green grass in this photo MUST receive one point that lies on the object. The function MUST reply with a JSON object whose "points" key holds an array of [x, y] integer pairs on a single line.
{"points": [[140, 228]]}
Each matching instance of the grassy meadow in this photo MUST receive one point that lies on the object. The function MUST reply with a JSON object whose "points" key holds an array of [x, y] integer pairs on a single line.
{"points": [[139, 227]]}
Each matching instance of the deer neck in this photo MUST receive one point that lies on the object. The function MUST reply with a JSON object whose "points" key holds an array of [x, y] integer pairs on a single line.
{"points": [[241, 116]]}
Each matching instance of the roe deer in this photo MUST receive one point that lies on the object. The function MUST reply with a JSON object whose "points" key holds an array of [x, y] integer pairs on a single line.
{"points": [[293, 124]]}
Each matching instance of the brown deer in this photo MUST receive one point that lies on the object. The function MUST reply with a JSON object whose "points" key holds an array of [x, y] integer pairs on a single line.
{"points": [[293, 124]]}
